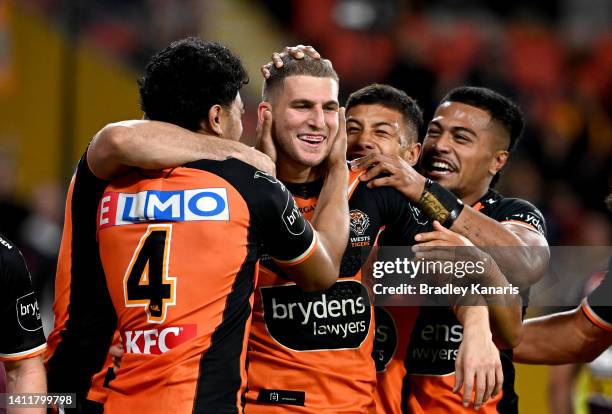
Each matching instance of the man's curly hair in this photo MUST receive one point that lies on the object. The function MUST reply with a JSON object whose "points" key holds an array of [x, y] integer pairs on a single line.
{"points": [[182, 82]]}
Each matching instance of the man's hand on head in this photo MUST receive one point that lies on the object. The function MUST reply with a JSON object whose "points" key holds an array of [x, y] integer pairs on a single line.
{"points": [[296, 52]]}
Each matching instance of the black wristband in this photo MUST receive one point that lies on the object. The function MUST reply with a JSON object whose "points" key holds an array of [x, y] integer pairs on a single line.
{"points": [[440, 204]]}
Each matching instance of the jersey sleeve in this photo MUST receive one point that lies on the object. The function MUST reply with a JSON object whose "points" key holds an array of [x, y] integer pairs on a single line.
{"points": [[520, 212], [288, 237], [278, 224], [22, 333], [597, 306]]}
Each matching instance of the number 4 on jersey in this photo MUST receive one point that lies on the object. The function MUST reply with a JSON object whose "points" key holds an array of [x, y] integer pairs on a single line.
{"points": [[146, 282]]}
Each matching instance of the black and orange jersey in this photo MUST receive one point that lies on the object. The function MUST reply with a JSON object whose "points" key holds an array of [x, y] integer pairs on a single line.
{"points": [[310, 352], [22, 332], [597, 305], [420, 375], [78, 254], [179, 250]]}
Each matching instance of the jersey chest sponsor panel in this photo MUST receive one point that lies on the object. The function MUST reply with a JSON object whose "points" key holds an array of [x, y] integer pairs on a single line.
{"points": [[431, 349], [318, 344], [180, 255], [160, 244]]}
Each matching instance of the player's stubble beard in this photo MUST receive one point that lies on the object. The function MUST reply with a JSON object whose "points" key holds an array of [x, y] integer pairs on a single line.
{"points": [[288, 158]]}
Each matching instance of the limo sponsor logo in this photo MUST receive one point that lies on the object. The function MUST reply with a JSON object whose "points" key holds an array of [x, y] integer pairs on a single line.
{"points": [[28, 313], [385, 339], [157, 341], [198, 204], [339, 318]]}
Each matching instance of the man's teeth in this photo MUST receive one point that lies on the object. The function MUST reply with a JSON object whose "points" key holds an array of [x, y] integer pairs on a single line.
{"points": [[311, 138], [439, 165]]}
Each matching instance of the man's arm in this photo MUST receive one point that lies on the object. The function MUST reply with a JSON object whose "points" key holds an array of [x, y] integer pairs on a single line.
{"points": [[561, 338], [330, 221], [521, 264], [524, 263], [504, 309], [26, 376], [478, 366], [156, 145]]}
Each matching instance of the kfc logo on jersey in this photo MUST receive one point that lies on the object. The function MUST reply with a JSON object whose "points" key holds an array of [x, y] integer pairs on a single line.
{"points": [[198, 204], [157, 341], [28, 313]]}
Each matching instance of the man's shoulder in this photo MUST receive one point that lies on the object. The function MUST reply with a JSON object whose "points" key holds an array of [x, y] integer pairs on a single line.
{"points": [[511, 209]]}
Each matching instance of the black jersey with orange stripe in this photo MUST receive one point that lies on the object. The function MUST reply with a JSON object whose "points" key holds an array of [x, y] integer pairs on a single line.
{"points": [[179, 249], [310, 352], [77, 261], [422, 365], [597, 306], [22, 332]]}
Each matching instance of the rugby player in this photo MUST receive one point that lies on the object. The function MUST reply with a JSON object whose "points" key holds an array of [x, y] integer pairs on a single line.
{"points": [[467, 143], [318, 346], [579, 335], [22, 341], [403, 130], [183, 314]]}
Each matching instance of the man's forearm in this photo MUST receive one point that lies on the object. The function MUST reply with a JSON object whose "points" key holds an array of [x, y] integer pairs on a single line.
{"points": [[331, 218], [156, 145], [505, 310], [562, 338], [523, 258], [26, 376]]}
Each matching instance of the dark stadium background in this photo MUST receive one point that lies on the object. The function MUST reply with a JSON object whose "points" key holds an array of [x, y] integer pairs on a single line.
{"points": [[67, 67]]}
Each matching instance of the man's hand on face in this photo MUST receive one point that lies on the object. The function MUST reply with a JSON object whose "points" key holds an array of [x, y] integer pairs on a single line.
{"points": [[296, 52], [265, 143], [337, 154], [392, 171]]}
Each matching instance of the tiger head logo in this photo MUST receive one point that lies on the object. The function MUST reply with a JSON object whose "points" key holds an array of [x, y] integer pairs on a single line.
{"points": [[359, 222]]}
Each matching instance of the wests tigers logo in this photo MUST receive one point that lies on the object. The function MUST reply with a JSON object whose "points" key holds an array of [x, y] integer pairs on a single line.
{"points": [[359, 222]]}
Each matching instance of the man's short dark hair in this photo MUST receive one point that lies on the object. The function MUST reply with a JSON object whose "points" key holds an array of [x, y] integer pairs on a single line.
{"points": [[318, 68], [501, 109], [391, 98], [182, 82]]}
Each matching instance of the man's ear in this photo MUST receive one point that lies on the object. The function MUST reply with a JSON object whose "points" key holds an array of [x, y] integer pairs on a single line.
{"points": [[499, 160], [411, 153], [261, 108], [213, 122]]}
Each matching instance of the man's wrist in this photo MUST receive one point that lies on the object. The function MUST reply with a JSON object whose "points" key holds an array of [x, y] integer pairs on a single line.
{"points": [[440, 204]]}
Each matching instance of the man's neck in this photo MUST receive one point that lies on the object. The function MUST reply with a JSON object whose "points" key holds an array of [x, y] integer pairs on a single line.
{"points": [[473, 197], [289, 171]]}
